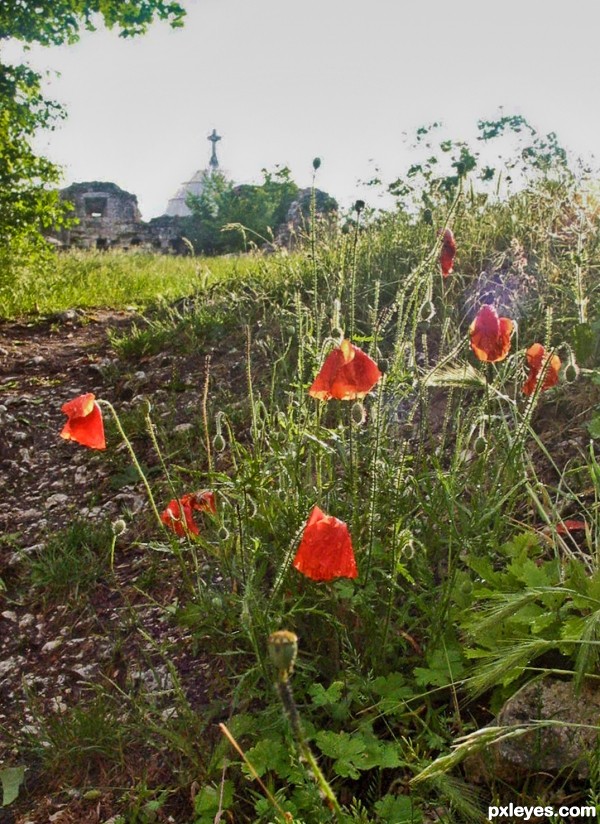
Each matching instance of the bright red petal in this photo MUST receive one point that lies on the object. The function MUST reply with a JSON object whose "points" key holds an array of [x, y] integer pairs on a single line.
{"points": [[205, 502], [490, 335], [347, 374], [448, 253], [179, 518], [570, 526], [321, 387], [536, 359], [84, 424], [325, 551]]}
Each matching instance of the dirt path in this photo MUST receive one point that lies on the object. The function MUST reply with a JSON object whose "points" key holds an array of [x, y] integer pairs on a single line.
{"points": [[54, 655], [43, 478]]}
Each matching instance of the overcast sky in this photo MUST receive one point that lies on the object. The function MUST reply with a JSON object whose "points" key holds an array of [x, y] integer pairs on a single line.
{"points": [[283, 82]]}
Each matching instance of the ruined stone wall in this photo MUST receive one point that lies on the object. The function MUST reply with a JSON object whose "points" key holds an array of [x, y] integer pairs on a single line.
{"points": [[108, 217]]}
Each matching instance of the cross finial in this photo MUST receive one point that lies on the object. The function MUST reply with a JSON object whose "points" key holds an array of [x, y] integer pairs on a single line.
{"points": [[214, 138]]}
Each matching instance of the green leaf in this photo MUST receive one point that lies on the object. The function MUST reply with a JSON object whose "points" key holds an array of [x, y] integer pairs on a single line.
{"points": [[322, 697], [584, 342], [208, 801], [594, 427], [397, 808], [345, 750], [393, 692], [445, 667], [528, 572], [269, 755], [11, 779], [358, 751]]}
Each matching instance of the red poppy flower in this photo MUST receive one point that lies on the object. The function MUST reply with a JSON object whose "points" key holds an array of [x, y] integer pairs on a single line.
{"points": [[490, 335], [448, 253], [347, 375], [178, 515], [537, 358], [325, 551], [569, 525], [84, 423]]}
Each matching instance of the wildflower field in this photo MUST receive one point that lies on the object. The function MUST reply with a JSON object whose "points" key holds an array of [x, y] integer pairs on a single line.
{"points": [[310, 523]]}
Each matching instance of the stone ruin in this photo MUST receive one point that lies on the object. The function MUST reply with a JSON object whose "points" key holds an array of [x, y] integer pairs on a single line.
{"points": [[109, 218]]}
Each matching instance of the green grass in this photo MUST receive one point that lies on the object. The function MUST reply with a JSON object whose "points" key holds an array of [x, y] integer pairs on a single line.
{"points": [[113, 280], [72, 561], [452, 485]]}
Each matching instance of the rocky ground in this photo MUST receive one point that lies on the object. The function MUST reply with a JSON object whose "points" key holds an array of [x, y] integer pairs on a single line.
{"points": [[57, 655], [52, 654]]}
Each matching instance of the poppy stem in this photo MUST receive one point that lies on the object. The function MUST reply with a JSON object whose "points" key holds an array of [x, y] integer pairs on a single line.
{"points": [[374, 477], [250, 387], [205, 415], [133, 457], [313, 254], [289, 705], [353, 267]]}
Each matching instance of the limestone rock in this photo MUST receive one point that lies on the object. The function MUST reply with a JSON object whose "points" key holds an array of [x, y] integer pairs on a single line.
{"points": [[556, 748]]}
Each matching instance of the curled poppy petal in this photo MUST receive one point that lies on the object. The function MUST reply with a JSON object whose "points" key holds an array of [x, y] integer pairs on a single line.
{"points": [[448, 253], [201, 501], [570, 525], [325, 551], [490, 335], [538, 360], [347, 374], [178, 517], [84, 422]]}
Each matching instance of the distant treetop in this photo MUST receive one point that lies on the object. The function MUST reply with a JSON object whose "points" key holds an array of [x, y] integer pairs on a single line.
{"points": [[53, 22]]}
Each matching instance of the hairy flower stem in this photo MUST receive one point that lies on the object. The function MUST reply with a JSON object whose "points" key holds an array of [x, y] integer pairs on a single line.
{"points": [[133, 457], [287, 700], [250, 387], [313, 254], [352, 458], [136, 463], [353, 268], [374, 477], [205, 414]]}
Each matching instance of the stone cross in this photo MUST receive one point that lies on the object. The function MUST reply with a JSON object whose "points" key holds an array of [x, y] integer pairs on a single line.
{"points": [[214, 138]]}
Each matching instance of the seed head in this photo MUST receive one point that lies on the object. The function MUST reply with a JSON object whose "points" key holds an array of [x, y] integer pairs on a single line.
{"points": [[283, 649]]}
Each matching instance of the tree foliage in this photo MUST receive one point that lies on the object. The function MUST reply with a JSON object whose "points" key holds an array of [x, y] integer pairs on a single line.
{"points": [[53, 22], [227, 218], [29, 202], [522, 156]]}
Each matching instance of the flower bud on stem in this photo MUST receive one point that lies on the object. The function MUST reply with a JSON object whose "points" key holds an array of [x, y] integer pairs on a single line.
{"points": [[283, 648]]}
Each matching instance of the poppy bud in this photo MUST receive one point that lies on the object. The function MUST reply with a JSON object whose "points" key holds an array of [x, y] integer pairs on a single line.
{"points": [[283, 649], [219, 442], [146, 407], [480, 445], [427, 310], [316, 163], [118, 527], [428, 217], [466, 587], [571, 372], [358, 413], [223, 534], [359, 206]]}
